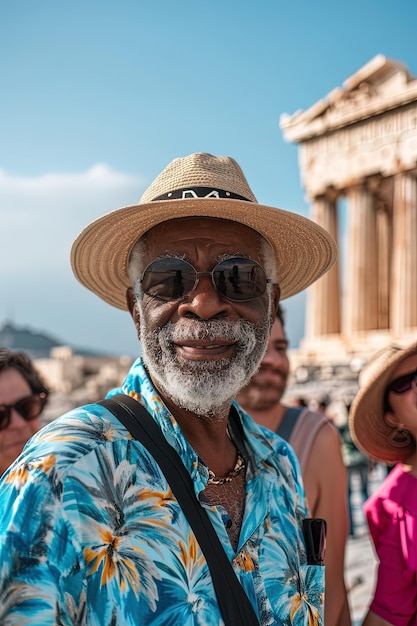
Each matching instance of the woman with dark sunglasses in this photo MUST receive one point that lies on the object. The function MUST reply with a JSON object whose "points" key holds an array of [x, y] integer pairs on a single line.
{"points": [[23, 396], [383, 422]]}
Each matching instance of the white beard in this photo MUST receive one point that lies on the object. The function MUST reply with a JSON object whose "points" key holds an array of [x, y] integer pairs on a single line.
{"points": [[203, 387]]}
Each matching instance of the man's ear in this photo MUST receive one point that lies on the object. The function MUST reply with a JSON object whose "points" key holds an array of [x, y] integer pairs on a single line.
{"points": [[275, 296], [131, 305]]}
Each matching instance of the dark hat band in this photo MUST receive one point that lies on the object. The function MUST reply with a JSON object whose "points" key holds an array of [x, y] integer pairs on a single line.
{"points": [[199, 192]]}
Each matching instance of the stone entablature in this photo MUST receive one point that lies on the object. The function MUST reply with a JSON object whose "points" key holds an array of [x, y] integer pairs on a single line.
{"points": [[369, 128], [378, 87], [382, 145]]}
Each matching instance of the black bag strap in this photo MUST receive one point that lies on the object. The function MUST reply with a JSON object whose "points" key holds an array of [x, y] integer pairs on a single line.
{"points": [[234, 604]]}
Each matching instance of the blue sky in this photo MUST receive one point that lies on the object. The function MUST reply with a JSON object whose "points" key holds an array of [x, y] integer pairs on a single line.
{"points": [[97, 97]]}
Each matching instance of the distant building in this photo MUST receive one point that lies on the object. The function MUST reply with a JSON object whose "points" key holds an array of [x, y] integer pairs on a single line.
{"points": [[65, 372], [74, 375]]}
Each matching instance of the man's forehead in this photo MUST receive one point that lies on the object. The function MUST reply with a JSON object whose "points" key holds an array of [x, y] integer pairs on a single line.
{"points": [[177, 233], [206, 226]]}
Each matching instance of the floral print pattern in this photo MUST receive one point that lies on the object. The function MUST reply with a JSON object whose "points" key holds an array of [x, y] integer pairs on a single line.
{"points": [[93, 536]]}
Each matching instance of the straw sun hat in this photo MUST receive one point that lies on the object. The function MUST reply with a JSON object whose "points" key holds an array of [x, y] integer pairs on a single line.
{"points": [[199, 185], [366, 417]]}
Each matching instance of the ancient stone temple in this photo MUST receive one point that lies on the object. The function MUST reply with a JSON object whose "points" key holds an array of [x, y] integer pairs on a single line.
{"points": [[358, 149]]}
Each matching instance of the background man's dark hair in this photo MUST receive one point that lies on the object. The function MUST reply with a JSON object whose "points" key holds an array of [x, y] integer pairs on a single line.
{"points": [[22, 363]]}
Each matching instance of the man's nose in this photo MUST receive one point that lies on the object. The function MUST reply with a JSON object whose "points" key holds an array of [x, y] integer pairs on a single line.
{"points": [[205, 301], [273, 358]]}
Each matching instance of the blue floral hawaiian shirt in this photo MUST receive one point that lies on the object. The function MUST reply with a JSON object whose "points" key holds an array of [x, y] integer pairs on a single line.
{"points": [[91, 534]]}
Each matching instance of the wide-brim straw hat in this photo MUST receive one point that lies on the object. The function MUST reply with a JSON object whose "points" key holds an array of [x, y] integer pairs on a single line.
{"points": [[199, 185], [366, 417]]}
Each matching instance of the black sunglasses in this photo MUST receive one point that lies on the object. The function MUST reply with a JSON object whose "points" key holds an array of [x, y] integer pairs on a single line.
{"points": [[403, 383], [238, 279], [29, 408]]}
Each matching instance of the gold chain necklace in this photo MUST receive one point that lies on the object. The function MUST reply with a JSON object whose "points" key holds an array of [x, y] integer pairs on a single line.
{"points": [[217, 480]]}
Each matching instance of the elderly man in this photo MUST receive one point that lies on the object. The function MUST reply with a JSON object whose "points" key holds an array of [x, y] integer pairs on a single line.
{"points": [[91, 531]]}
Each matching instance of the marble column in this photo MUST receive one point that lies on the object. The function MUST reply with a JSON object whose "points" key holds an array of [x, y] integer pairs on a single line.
{"points": [[323, 297], [403, 297], [360, 301], [382, 191], [384, 244]]}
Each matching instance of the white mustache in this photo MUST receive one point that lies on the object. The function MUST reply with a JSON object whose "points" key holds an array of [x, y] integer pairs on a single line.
{"points": [[211, 330]]}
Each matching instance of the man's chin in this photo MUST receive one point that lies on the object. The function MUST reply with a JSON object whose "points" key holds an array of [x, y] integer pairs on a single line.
{"points": [[263, 404], [261, 398], [198, 390], [197, 403], [212, 366]]}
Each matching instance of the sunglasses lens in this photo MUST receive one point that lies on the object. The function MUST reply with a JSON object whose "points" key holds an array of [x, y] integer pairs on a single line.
{"points": [[237, 278], [240, 279], [4, 416], [168, 278], [30, 408], [402, 384]]}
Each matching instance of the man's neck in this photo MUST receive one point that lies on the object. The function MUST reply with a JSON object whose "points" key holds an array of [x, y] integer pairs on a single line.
{"points": [[207, 434], [270, 418]]}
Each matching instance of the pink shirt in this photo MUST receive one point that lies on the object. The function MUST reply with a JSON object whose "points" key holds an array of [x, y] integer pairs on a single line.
{"points": [[392, 519]]}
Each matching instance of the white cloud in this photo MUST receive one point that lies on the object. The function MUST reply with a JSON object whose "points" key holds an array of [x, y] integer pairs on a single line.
{"points": [[41, 216], [99, 176], [39, 219]]}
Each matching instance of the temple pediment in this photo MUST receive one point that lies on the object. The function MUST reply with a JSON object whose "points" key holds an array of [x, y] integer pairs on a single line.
{"points": [[367, 128], [380, 85]]}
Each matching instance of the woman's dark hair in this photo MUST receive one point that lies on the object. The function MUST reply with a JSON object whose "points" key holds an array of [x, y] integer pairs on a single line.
{"points": [[22, 363]]}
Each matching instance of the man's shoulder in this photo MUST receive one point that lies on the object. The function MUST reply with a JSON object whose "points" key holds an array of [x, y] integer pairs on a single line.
{"points": [[316, 424], [74, 435], [312, 432], [316, 416]]}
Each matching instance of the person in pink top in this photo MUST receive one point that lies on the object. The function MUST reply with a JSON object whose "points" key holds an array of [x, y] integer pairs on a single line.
{"points": [[383, 423]]}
